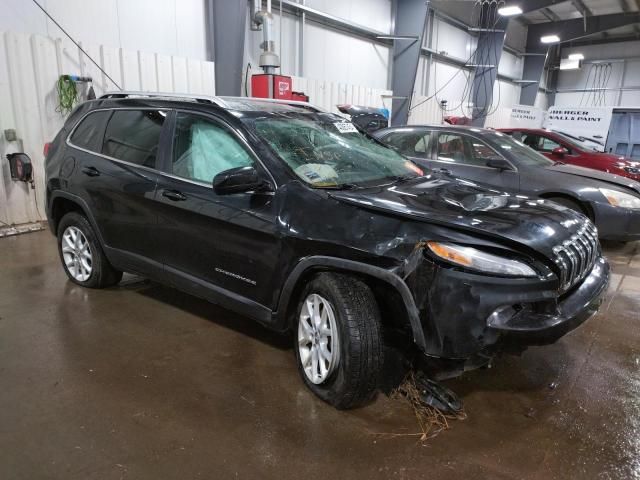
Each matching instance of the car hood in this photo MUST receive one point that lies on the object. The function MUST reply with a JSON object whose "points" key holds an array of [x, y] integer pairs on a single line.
{"points": [[609, 178], [619, 159], [462, 204]]}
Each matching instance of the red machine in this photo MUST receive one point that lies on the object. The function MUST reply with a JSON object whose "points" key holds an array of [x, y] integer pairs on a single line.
{"points": [[265, 85], [271, 86]]}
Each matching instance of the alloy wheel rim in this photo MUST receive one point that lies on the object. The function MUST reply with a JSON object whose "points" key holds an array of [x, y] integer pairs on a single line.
{"points": [[318, 344], [76, 254]]}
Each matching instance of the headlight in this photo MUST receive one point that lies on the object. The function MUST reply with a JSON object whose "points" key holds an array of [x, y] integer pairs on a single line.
{"points": [[620, 199], [477, 260]]}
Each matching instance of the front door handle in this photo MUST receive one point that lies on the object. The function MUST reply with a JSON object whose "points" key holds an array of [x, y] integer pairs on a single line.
{"points": [[444, 170], [174, 195], [91, 171]]}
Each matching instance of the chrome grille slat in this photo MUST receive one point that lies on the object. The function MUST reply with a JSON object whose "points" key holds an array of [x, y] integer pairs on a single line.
{"points": [[575, 257], [582, 254], [588, 248]]}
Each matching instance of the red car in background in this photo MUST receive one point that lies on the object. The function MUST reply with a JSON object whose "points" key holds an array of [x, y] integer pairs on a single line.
{"points": [[562, 148]]}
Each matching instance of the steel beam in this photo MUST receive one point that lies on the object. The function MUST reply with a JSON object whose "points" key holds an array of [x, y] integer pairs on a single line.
{"points": [[582, 8], [332, 21], [611, 39], [228, 19], [550, 14], [410, 21], [576, 28], [534, 5]]}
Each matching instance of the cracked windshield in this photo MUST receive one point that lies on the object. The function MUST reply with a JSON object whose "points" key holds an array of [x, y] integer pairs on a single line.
{"points": [[327, 151]]}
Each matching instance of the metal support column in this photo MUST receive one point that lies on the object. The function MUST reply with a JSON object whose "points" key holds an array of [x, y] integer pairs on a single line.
{"points": [[227, 19], [532, 71], [410, 22], [551, 85]]}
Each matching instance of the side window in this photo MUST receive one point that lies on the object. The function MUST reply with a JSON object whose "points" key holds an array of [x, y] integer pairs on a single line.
{"points": [[464, 150], [531, 140], [133, 136], [451, 148], [548, 144], [482, 152], [203, 148], [422, 147], [411, 144], [88, 133]]}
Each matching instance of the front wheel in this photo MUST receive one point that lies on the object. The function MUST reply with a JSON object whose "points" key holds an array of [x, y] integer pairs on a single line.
{"points": [[339, 348]]}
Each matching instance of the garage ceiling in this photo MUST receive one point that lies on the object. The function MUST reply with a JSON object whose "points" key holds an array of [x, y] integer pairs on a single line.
{"points": [[568, 10], [556, 11]]}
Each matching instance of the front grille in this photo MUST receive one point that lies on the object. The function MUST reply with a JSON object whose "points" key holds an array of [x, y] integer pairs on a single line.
{"points": [[575, 257]]}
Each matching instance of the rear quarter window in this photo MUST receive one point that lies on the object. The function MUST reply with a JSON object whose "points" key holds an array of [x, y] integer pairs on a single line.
{"points": [[89, 132], [133, 136]]}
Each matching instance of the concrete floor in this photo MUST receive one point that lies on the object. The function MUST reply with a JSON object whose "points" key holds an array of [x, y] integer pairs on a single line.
{"points": [[144, 382]]}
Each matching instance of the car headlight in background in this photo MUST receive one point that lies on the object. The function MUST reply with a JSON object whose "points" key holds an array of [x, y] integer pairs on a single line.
{"points": [[620, 199], [475, 259]]}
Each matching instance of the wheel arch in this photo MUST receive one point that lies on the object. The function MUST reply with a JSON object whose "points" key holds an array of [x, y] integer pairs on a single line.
{"points": [[584, 206], [397, 297], [62, 203]]}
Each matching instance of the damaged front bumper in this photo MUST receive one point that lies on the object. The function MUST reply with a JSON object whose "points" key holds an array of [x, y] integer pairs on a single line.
{"points": [[465, 314], [541, 328]]}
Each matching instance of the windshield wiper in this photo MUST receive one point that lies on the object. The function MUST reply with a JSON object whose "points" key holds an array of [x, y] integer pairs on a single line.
{"points": [[402, 178], [340, 186]]}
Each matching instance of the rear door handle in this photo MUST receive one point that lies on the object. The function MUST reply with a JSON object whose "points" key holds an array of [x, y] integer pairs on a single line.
{"points": [[174, 195], [91, 171]]}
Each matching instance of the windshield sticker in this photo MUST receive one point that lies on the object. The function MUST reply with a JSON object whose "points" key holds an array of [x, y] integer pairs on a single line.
{"points": [[346, 127], [317, 173]]}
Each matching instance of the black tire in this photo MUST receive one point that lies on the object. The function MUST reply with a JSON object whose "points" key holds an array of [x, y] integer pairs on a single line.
{"points": [[355, 378], [572, 204], [102, 273]]}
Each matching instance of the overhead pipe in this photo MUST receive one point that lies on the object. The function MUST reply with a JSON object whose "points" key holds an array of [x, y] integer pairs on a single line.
{"points": [[263, 19]]}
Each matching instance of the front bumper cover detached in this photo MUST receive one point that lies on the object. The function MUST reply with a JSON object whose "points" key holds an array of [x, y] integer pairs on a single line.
{"points": [[465, 314], [541, 328]]}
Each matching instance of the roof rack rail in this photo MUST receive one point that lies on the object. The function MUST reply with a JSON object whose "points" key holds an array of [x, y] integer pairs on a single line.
{"points": [[219, 101], [295, 103], [186, 96]]}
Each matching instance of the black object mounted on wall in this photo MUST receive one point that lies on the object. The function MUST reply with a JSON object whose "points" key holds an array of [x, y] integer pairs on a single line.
{"points": [[20, 167]]}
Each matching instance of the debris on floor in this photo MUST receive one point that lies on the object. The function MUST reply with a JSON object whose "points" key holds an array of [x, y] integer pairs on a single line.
{"points": [[433, 404]]}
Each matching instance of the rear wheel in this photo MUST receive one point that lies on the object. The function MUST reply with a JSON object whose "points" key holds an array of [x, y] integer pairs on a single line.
{"points": [[338, 345], [82, 257]]}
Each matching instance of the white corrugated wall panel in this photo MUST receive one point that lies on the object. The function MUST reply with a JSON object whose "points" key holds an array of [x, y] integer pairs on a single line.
{"points": [[424, 111], [329, 94], [30, 66]]}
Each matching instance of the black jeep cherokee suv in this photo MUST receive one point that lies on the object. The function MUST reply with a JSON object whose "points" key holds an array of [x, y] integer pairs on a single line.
{"points": [[291, 216]]}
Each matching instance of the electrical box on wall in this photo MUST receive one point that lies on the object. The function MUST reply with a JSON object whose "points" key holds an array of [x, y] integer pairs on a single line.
{"points": [[271, 86]]}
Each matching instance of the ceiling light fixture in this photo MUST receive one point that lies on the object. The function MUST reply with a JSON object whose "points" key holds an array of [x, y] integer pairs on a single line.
{"points": [[569, 64], [576, 56], [550, 39], [510, 11]]}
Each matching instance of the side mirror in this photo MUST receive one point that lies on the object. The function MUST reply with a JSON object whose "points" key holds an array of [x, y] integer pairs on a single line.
{"points": [[499, 163], [559, 151], [238, 180]]}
